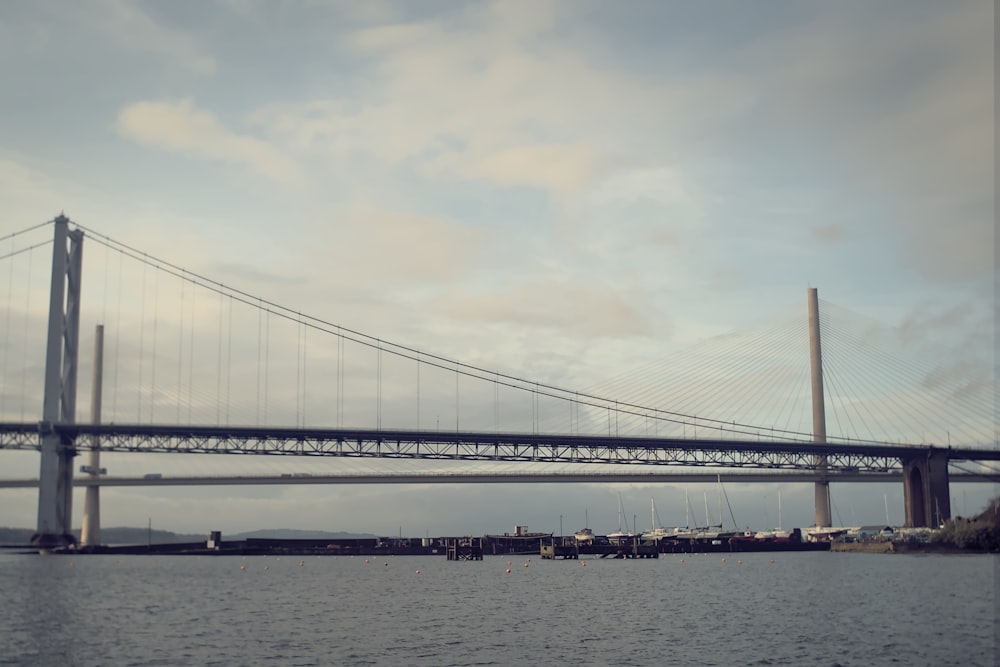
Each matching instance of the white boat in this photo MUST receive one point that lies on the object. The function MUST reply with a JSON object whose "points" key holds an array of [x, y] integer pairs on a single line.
{"points": [[656, 532], [776, 534], [620, 533], [660, 532], [585, 535]]}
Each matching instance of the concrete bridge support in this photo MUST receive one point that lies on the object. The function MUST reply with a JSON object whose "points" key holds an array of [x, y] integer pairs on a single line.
{"points": [[822, 489], [55, 475], [925, 490], [90, 529]]}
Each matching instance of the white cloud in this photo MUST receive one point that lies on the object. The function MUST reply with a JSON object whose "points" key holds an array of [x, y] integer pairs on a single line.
{"points": [[905, 112], [126, 24], [565, 308], [180, 127], [508, 102], [394, 248]]}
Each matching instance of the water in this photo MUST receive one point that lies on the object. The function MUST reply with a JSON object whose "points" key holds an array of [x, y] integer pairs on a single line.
{"points": [[773, 609]]}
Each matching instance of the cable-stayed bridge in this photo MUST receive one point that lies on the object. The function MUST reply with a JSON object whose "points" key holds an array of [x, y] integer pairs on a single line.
{"points": [[196, 366]]}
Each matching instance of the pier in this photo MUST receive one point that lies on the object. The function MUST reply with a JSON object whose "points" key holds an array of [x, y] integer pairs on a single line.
{"points": [[464, 548]]}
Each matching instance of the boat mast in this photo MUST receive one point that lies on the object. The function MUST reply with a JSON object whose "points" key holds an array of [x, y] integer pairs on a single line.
{"points": [[619, 511], [718, 477]]}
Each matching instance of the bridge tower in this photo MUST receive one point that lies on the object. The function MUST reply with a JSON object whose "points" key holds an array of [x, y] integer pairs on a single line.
{"points": [[823, 518], [90, 529], [55, 477], [925, 489]]}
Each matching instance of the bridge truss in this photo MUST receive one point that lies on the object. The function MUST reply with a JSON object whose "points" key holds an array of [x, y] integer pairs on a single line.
{"points": [[836, 458]]}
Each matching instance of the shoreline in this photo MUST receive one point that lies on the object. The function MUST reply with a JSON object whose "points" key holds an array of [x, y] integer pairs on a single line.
{"points": [[902, 548]]}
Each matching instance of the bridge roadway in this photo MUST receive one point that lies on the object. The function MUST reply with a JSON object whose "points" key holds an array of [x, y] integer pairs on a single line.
{"points": [[840, 457], [486, 478]]}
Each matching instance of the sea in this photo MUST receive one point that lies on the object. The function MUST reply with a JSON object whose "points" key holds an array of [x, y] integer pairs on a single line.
{"points": [[755, 609]]}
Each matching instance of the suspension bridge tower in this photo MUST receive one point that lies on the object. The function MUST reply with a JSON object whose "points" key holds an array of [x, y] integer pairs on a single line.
{"points": [[55, 477], [823, 518]]}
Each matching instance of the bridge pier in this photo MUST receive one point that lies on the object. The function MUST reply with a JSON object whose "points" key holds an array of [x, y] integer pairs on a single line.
{"points": [[90, 529], [925, 489], [822, 488], [55, 474]]}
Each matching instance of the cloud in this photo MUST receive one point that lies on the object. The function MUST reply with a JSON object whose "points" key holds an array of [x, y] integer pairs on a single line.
{"points": [[554, 167], [129, 26], [830, 233], [487, 94], [179, 127], [561, 306], [908, 121], [397, 248]]}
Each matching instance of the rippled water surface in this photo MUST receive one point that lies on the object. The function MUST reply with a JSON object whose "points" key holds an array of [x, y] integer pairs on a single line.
{"points": [[769, 609]]}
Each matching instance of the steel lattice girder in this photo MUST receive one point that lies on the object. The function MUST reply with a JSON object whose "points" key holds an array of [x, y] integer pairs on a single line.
{"points": [[359, 443]]}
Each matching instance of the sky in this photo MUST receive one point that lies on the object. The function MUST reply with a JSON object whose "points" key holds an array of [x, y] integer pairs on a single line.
{"points": [[557, 190]]}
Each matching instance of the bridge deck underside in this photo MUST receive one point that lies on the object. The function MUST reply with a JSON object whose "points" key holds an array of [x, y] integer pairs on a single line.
{"points": [[802, 456]]}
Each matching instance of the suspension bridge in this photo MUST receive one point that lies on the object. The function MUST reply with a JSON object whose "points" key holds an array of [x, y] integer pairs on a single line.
{"points": [[199, 367]]}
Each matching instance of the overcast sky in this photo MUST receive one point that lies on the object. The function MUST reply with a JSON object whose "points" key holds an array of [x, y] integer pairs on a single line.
{"points": [[557, 190]]}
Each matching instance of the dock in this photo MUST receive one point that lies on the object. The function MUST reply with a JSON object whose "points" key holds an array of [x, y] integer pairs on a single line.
{"points": [[464, 548], [559, 548]]}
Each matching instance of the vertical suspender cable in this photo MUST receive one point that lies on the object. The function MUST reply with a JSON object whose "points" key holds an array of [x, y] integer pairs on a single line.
{"points": [[156, 319], [267, 356], [6, 335], [180, 355], [190, 392], [305, 370], [27, 306], [118, 322], [218, 364], [142, 341], [229, 358], [260, 311]]}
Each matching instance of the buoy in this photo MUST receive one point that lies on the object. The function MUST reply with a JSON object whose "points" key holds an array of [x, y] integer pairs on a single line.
{"points": [[682, 560], [508, 570], [508, 563], [386, 564], [302, 563], [418, 571], [739, 562], [243, 567], [772, 560], [584, 563], [366, 561], [723, 560]]}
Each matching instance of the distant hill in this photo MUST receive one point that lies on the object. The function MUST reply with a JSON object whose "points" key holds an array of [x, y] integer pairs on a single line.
{"points": [[125, 535], [15, 535], [293, 534]]}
